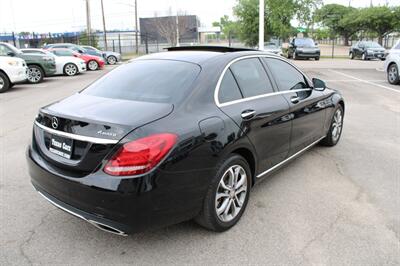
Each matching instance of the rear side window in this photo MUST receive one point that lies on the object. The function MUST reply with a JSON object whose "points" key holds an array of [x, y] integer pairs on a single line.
{"points": [[287, 77], [163, 81], [228, 90], [251, 77]]}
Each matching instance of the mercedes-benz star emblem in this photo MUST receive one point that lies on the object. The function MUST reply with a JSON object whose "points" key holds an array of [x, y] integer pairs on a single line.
{"points": [[54, 122]]}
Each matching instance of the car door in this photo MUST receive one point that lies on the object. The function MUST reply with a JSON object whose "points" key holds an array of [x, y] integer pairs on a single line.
{"points": [[307, 106], [246, 94]]}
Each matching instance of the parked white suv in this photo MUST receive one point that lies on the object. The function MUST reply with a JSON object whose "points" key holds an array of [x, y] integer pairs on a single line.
{"points": [[12, 70], [392, 64]]}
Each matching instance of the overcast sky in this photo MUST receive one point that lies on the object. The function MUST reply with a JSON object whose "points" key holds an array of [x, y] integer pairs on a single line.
{"points": [[69, 15]]}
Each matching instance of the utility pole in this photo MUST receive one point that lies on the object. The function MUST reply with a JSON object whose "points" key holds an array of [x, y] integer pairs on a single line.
{"points": [[136, 29], [177, 29], [261, 25], [104, 26], [88, 25]]}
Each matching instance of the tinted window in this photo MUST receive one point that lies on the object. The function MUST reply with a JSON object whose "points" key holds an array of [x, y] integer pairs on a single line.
{"points": [[228, 90], [161, 81], [287, 77], [397, 46], [251, 77]]}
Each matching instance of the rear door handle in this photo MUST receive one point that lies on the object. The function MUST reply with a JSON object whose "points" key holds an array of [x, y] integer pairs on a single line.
{"points": [[295, 99], [247, 114]]}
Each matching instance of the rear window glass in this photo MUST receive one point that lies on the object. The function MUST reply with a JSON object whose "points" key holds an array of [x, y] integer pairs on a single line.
{"points": [[163, 81]]}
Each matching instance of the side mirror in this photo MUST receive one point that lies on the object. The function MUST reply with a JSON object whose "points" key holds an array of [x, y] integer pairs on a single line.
{"points": [[318, 84], [10, 53], [80, 51]]}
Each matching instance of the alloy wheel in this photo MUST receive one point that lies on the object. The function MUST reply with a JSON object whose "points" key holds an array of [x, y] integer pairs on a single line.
{"points": [[93, 65], [231, 193], [337, 125], [393, 74], [34, 75], [111, 60], [2, 83], [70, 69]]}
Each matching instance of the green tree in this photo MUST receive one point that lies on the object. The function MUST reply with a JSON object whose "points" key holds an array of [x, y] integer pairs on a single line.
{"points": [[278, 17], [380, 20], [339, 20]]}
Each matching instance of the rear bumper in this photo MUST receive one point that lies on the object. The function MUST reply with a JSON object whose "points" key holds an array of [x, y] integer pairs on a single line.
{"points": [[128, 205]]}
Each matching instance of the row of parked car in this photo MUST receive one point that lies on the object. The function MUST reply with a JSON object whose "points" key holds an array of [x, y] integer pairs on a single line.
{"points": [[33, 65], [306, 48]]}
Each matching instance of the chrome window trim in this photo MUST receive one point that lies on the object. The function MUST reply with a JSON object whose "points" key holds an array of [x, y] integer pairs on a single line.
{"points": [[216, 91], [76, 137], [289, 158]]}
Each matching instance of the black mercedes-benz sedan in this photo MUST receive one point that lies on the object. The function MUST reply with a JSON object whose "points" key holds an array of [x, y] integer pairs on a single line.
{"points": [[178, 135]]}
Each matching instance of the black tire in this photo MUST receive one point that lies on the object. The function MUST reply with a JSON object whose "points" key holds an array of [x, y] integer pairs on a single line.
{"points": [[331, 138], [92, 65], [35, 74], [112, 60], [393, 75], [4, 82], [294, 56], [317, 58], [351, 55], [364, 57], [70, 69], [208, 216]]}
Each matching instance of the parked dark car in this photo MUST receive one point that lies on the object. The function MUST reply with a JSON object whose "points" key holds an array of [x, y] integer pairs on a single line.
{"points": [[303, 48], [132, 152], [367, 50], [39, 66]]}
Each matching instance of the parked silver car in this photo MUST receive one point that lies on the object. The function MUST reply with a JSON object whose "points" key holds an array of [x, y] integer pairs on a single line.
{"points": [[392, 64]]}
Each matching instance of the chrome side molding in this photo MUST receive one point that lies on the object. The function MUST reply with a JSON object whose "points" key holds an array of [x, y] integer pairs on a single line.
{"points": [[288, 159]]}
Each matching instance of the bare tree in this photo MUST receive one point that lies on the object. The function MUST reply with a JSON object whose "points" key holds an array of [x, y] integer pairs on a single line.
{"points": [[170, 27]]}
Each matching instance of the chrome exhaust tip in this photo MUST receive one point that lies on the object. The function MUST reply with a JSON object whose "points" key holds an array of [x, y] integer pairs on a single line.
{"points": [[107, 228]]}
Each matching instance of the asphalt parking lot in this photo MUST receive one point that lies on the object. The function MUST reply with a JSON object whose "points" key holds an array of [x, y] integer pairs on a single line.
{"points": [[331, 206]]}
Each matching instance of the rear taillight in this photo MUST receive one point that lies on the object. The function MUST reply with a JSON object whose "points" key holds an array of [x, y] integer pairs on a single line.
{"points": [[141, 155]]}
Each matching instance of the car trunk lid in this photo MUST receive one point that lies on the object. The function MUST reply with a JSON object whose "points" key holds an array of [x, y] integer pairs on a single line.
{"points": [[78, 132]]}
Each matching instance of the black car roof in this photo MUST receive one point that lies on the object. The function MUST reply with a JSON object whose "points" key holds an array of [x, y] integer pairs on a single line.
{"points": [[199, 56]]}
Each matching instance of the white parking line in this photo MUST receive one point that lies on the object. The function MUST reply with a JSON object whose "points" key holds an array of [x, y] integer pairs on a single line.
{"points": [[352, 80], [365, 81]]}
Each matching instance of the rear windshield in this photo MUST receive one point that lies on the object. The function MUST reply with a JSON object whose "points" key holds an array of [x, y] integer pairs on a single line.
{"points": [[163, 81]]}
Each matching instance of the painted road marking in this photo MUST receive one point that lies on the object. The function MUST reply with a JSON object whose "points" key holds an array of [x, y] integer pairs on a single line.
{"points": [[365, 81]]}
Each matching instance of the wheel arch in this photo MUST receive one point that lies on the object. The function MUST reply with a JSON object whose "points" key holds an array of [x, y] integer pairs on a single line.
{"points": [[2, 71], [248, 155], [38, 65], [390, 64]]}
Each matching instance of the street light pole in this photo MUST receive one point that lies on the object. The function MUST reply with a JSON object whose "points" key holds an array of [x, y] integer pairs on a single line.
{"points": [[136, 29], [261, 26]]}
